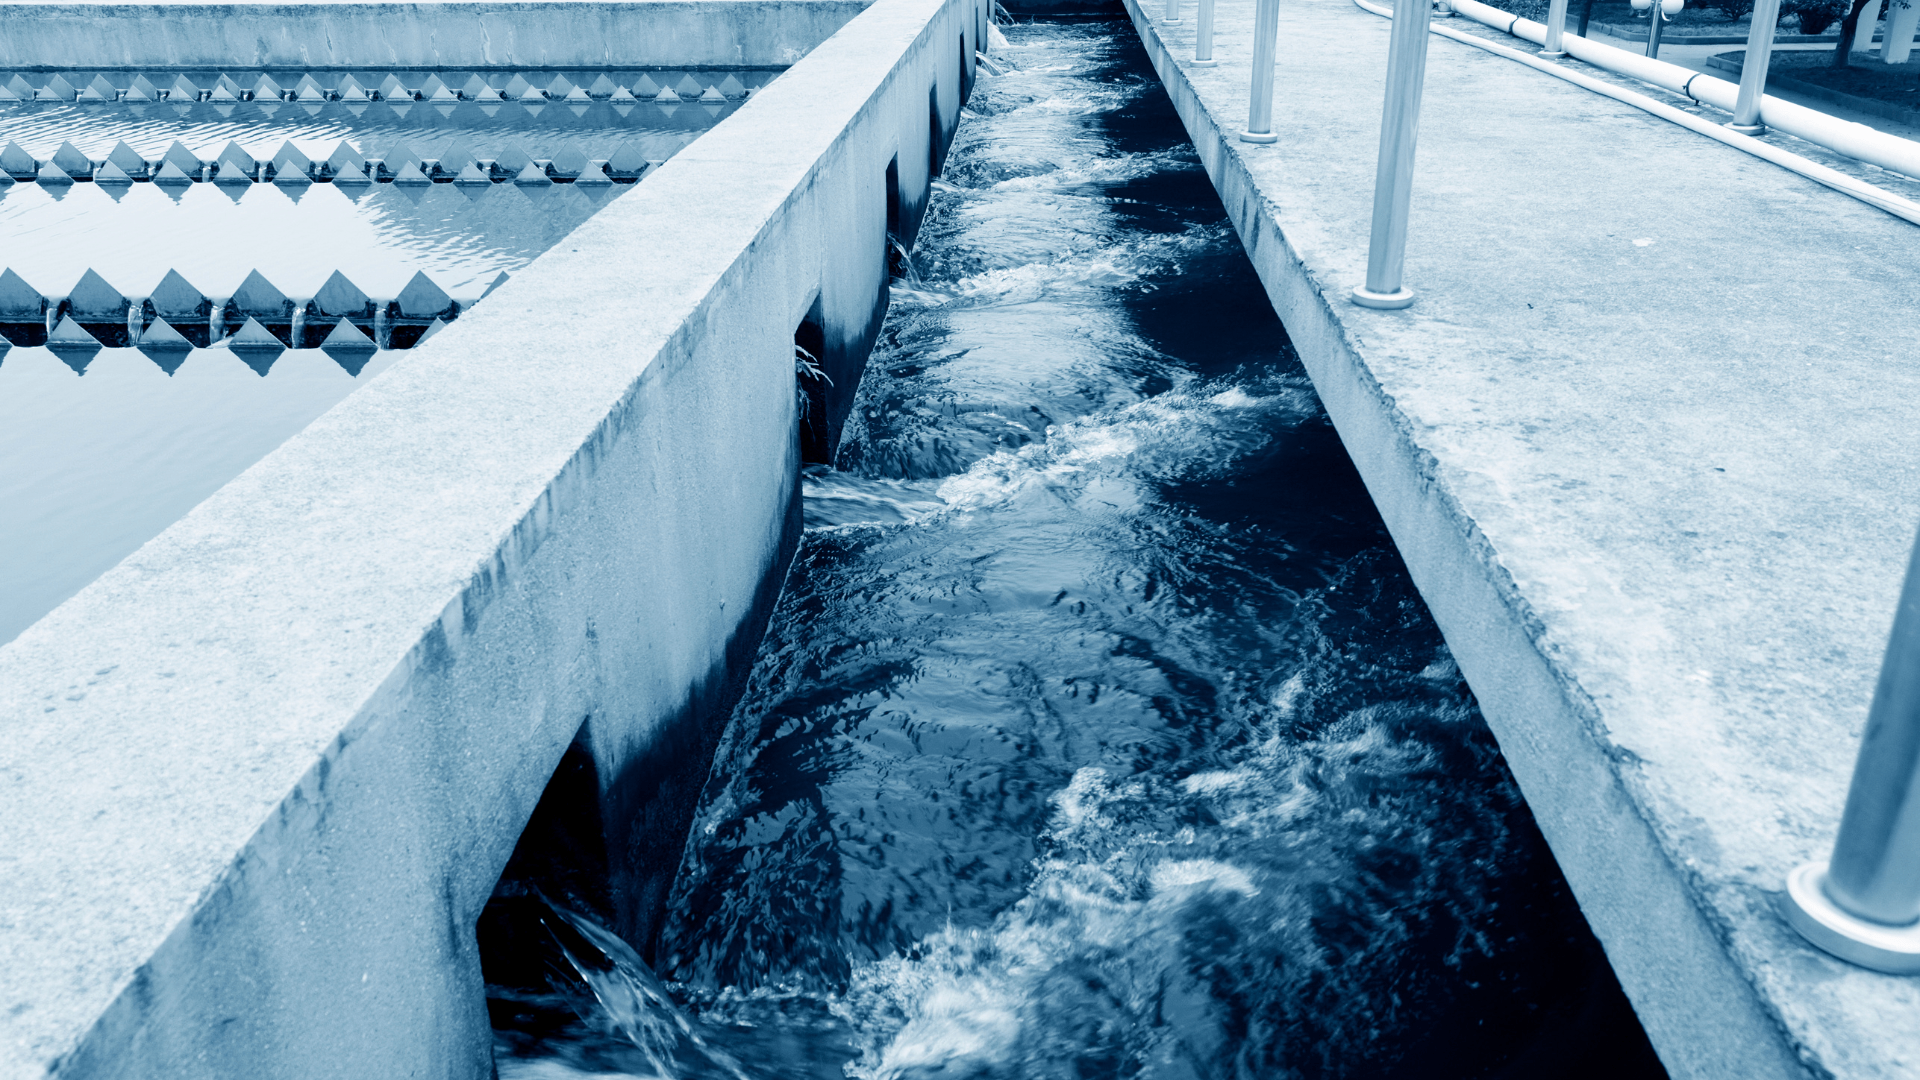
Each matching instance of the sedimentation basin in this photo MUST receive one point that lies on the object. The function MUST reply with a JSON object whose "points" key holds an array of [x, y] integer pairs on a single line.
{"points": [[1634, 441], [261, 776]]}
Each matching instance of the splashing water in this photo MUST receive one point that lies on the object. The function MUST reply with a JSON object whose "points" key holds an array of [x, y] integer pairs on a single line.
{"points": [[1098, 730]]}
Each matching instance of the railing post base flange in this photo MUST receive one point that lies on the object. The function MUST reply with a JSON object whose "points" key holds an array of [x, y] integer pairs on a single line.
{"points": [[1746, 129], [1259, 137], [1545, 55], [1392, 301], [1203, 63], [1892, 949]]}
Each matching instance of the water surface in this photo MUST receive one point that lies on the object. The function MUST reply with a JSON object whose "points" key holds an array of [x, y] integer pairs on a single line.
{"points": [[1098, 731]]}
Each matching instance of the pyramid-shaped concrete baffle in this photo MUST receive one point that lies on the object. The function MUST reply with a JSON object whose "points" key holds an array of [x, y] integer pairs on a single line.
{"points": [[128, 160], [732, 87], [98, 91], [422, 299], [267, 90], [17, 163], [140, 91], [257, 298], [112, 179], [476, 89], [340, 298], [256, 346], [183, 91], [165, 345], [519, 89], [472, 178], [73, 345], [183, 159], [235, 165], [56, 88], [55, 179], [185, 307], [568, 164], [449, 159], [23, 311], [16, 89], [688, 87], [410, 176], [627, 163], [291, 166], [645, 87], [602, 88], [346, 160], [513, 160], [100, 309], [351, 92], [307, 91], [434, 89], [72, 161], [396, 156], [348, 346], [533, 181], [226, 91], [593, 180], [391, 89]]}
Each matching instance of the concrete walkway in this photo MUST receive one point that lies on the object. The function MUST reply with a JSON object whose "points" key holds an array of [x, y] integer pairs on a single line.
{"points": [[1650, 444]]}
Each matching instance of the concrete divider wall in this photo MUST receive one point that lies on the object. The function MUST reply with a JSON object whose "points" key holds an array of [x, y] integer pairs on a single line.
{"points": [[259, 779], [322, 34]]}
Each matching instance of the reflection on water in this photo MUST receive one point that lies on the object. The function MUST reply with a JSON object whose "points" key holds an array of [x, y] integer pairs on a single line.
{"points": [[1099, 731], [92, 467]]}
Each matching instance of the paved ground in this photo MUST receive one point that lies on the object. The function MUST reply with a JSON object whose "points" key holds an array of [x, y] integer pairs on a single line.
{"points": [[1650, 443]]}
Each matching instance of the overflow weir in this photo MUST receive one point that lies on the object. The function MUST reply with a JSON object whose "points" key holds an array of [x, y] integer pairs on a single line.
{"points": [[1634, 443]]}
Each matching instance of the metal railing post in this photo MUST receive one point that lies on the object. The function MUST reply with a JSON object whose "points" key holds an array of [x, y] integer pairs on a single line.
{"points": [[1172, 17], [1555, 46], [1393, 178], [1864, 906], [1203, 35], [1753, 70], [1266, 32]]}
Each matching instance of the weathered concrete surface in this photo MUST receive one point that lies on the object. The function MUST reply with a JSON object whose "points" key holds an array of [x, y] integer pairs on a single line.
{"points": [[1650, 444], [310, 34], [257, 782]]}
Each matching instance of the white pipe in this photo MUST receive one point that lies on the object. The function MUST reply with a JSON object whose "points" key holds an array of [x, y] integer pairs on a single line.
{"points": [[1812, 170], [1843, 136]]}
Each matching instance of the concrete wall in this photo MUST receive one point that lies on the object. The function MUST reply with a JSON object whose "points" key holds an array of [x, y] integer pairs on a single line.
{"points": [[259, 779], [318, 34]]}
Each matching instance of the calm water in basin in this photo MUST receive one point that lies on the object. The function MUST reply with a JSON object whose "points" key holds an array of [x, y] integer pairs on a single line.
{"points": [[100, 450]]}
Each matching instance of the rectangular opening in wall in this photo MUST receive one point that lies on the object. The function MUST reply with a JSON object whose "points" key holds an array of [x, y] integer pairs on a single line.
{"points": [[896, 244], [809, 354]]}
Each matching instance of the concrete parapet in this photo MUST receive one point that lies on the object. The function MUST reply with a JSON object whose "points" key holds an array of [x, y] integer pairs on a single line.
{"points": [[319, 34], [259, 779], [1650, 461]]}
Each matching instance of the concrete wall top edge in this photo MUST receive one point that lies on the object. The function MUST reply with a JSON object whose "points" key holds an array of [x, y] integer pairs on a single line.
{"points": [[429, 34], [160, 716]]}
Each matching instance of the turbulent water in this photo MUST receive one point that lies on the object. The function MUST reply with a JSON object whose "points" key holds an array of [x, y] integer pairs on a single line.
{"points": [[1098, 731]]}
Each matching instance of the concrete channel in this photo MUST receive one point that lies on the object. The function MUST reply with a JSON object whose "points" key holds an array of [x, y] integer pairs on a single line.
{"points": [[260, 778], [1645, 478]]}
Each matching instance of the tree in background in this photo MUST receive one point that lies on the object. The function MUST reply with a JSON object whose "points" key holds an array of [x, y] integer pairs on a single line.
{"points": [[1815, 15]]}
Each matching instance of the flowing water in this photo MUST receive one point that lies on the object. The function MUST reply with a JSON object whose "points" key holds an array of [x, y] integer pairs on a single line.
{"points": [[1098, 731]]}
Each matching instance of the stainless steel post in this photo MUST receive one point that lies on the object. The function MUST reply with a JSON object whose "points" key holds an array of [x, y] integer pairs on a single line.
{"points": [[1753, 71], [1266, 31], [1655, 16], [1865, 905], [1172, 18], [1393, 178], [1557, 30], [1203, 35]]}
